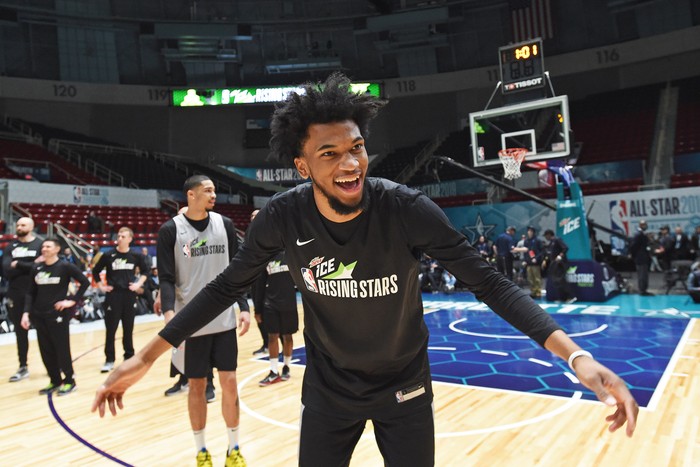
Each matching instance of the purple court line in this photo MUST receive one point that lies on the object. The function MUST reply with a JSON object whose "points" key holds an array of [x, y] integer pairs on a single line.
{"points": [[75, 435], [81, 439]]}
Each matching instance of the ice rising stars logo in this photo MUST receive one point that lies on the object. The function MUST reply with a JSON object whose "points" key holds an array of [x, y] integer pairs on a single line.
{"points": [[45, 278], [197, 247], [121, 264], [325, 278], [192, 244]]}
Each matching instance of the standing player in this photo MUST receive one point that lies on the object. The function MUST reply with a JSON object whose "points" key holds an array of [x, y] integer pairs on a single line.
{"points": [[258, 294], [120, 290], [281, 316], [193, 248], [353, 245], [48, 305], [17, 261]]}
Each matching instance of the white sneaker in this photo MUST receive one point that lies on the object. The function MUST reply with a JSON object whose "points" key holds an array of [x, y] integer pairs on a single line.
{"points": [[107, 367], [22, 373]]}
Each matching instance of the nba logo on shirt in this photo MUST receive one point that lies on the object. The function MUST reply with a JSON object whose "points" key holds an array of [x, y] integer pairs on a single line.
{"points": [[186, 250], [309, 280]]}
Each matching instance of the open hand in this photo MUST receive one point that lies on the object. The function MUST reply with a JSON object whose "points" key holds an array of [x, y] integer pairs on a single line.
{"points": [[122, 378], [611, 390]]}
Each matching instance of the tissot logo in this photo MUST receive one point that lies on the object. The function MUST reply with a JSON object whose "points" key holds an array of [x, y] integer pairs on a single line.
{"points": [[525, 83]]}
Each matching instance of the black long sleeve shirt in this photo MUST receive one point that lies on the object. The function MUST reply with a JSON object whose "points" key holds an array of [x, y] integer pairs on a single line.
{"points": [[24, 253], [366, 339], [120, 267], [49, 284]]}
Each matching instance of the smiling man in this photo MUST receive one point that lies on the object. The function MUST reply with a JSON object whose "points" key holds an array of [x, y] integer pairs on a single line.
{"points": [[353, 246]]}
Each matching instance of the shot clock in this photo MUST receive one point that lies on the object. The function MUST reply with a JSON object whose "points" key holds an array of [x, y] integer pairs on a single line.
{"points": [[521, 66]]}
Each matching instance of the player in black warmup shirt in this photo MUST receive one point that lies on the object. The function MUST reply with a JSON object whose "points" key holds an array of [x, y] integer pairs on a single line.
{"points": [[121, 288], [281, 316], [353, 246], [48, 306], [17, 261]]}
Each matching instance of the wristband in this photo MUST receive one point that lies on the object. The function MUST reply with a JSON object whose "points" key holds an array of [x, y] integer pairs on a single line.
{"points": [[577, 354]]}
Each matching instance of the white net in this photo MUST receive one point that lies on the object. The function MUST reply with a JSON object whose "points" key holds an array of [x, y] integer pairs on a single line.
{"points": [[512, 158]]}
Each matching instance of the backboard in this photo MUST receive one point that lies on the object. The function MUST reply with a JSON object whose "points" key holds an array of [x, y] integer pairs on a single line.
{"points": [[541, 126]]}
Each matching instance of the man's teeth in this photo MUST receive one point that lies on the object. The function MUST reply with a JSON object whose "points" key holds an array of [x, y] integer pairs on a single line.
{"points": [[347, 180]]}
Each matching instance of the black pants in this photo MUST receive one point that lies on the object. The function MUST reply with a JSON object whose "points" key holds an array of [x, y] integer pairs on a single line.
{"points": [[402, 441], [258, 307], [15, 309], [504, 264], [54, 344], [119, 306], [557, 274], [695, 295], [642, 277]]}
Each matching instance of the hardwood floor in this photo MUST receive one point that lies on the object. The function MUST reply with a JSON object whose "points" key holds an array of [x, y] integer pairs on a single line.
{"points": [[473, 426]]}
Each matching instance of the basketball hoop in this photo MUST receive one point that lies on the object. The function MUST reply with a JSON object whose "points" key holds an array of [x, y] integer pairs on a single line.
{"points": [[511, 158]]}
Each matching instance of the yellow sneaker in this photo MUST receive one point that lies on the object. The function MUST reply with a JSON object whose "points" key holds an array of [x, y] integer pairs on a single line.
{"points": [[235, 459], [204, 459]]}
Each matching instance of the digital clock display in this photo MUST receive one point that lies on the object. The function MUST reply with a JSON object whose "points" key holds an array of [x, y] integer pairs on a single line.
{"points": [[521, 66], [526, 51]]}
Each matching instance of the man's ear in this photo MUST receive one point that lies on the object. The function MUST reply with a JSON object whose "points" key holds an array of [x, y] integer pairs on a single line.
{"points": [[302, 168]]}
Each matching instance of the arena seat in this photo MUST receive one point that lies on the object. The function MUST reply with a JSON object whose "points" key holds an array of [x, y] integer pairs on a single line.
{"points": [[31, 155], [687, 140], [615, 126]]}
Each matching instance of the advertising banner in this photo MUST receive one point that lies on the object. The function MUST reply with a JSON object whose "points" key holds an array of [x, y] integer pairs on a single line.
{"points": [[588, 281], [572, 226], [619, 211], [623, 211], [20, 191]]}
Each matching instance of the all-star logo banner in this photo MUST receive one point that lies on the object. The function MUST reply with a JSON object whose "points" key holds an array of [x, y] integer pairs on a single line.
{"points": [[620, 211]]}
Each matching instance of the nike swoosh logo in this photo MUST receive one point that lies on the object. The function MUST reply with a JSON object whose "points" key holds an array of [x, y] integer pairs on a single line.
{"points": [[300, 243]]}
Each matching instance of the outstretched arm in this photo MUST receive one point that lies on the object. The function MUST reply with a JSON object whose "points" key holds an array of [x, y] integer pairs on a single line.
{"points": [[608, 387], [450, 248], [127, 374]]}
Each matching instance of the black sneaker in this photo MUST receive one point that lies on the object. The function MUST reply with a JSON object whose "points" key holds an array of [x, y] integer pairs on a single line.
{"points": [[22, 373], [176, 389], [271, 378], [48, 389], [285, 373], [211, 395], [261, 351]]}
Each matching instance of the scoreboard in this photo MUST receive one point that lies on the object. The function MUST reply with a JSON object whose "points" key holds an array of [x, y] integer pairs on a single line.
{"points": [[521, 66]]}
